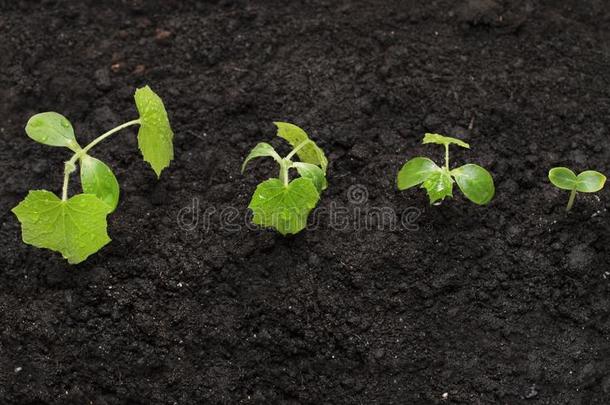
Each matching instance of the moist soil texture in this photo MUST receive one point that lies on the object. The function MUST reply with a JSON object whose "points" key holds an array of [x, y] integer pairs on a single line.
{"points": [[385, 299]]}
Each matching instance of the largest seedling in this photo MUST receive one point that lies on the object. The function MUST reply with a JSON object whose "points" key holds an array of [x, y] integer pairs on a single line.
{"points": [[76, 226]]}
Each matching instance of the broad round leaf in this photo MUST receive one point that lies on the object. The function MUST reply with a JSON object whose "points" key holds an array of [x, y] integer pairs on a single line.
{"points": [[444, 140], [310, 153], [563, 178], [53, 129], [97, 178], [284, 208], [312, 172], [76, 228], [415, 172], [261, 149], [155, 136], [590, 181], [475, 182]]}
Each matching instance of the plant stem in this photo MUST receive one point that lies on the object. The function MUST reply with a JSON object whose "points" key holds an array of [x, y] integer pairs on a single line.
{"points": [[447, 157], [107, 134], [70, 165], [69, 168], [284, 166], [298, 148], [571, 200], [286, 163]]}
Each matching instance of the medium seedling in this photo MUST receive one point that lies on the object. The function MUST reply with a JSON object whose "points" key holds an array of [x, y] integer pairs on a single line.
{"points": [[76, 227], [588, 181], [475, 182], [282, 203]]}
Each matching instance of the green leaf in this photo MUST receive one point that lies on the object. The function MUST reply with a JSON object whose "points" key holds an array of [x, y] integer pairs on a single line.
{"points": [[284, 208], [312, 172], [415, 171], [444, 140], [590, 181], [438, 185], [475, 182], [261, 149], [53, 129], [563, 178], [310, 153], [155, 136], [76, 228], [98, 179]]}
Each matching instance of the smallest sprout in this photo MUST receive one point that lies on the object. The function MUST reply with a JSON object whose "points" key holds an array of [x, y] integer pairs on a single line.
{"points": [[588, 181]]}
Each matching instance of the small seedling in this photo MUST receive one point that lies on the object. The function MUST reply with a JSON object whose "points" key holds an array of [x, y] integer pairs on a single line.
{"points": [[475, 182], [282, 203], [76, 226], [588, 181]]}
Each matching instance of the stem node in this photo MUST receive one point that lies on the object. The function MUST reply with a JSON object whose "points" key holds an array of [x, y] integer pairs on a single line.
{"points": [[70, 165]]}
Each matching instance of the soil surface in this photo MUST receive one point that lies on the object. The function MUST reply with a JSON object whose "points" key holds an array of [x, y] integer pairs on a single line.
{"points": [[459, 304]]}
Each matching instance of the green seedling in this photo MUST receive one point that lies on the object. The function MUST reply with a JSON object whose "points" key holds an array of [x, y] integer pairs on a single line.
{"points": [[588, 181], [282, 203], [76, 227], [475, 182]]}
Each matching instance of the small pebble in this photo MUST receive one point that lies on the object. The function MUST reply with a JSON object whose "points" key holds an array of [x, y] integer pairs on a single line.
{"points": [[532, 392]]}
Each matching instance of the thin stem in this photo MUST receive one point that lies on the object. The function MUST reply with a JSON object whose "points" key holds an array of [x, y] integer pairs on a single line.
{"points": [[298, 148], [70, 165], [284, 166], [571, 200], [447, 157], [107, 134], [69, 168], [286, 163]]}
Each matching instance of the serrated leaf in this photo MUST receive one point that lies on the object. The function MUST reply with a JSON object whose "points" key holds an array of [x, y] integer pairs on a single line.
{"points": [[284, 208], [415, 172], [53, 129], [590, 181], [438, 186], [155, 136], [475, 182], [312, 172], [97, 178], [260, 150], [444, 140], [563, 178], [310, 153], [76, 228]]}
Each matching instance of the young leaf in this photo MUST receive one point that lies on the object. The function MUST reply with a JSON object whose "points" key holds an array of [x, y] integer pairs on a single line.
{"points": [[284, 208], [97, 178], [76, 228], [444, 140], [563, 178], [312, 172], [438, 186], [53, 129], [155, 137], [415, 172], [261, 149], [309, 153], [590, 181], [475, 182]]}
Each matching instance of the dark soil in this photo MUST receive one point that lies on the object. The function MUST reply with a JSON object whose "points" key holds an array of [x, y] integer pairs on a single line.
{"points": [[505, 304]]}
